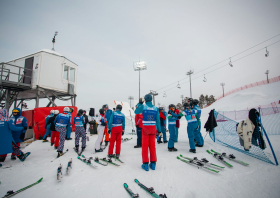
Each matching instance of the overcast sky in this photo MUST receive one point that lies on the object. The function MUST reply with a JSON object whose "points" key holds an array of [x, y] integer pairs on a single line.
{"points": [[105, 37]]}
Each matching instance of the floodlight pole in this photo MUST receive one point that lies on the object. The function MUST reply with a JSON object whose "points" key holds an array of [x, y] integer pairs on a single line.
{"points": [[223, 84], [138, 66], [267, 72], [153, 93], [182, 98], [189, 73]]}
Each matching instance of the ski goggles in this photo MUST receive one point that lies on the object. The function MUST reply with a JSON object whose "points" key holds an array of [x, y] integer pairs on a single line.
{"points": [[15, 111]]}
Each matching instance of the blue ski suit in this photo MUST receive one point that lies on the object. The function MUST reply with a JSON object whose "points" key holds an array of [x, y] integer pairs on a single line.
{"points": [[18, 121], [47, 127], [172, 117], [198, 130]]}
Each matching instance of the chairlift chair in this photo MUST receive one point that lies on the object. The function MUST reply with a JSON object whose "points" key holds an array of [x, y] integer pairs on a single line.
{"points": [[230, 64], [204, 80], [267, 53], [178, 86]]}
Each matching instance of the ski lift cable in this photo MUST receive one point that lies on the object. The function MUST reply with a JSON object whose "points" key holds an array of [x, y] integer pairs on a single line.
{"points": [[225, 60], [224, 65]]}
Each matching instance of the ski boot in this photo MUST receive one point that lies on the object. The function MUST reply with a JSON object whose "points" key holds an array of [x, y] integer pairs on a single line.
{"points": [[137, 146], [165, 141], [13, 157], [23, 156], [159, 140], [110, 155], [117, 156], [45, 140], [172, 149], [59, 153], [145, 166], [100, 150], [77, 149], [153, 165], [2, 159], [192, 150], [52, 144], [199, 145]]}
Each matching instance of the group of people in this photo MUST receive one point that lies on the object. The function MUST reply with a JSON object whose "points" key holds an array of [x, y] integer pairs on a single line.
{"points": [[150, 121]]}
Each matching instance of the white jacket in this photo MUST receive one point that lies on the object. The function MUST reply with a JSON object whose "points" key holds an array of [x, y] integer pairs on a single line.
{"points": [[245, 131]]}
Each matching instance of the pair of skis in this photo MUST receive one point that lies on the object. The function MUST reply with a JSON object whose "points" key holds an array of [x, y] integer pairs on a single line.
{"points": [[59, 170], [230, 157], [149, 190], [197, 163], [96, 160], [12, 193]]}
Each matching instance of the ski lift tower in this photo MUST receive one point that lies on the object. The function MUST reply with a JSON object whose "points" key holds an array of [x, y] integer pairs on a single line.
{"points": [[44, 74], [138, 66]]}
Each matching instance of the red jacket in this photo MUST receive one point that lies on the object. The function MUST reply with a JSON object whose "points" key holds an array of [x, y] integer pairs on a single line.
{"points": [[138, 120], [162, 118], [177, 121]]}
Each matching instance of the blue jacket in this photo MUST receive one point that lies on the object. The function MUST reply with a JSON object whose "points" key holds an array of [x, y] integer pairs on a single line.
{"points": [[62, 120], [6, 138], [18, 121], [46, 121], [108, 115], [79, 121], [139, 109], [172, 117], [113, 119]]}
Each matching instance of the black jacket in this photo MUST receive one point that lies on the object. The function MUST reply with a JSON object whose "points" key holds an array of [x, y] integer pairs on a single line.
{"points": [[51, 121], [211, 122]]}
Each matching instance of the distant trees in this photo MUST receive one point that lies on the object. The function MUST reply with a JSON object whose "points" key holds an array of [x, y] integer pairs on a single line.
{"points": [[205, 100]]}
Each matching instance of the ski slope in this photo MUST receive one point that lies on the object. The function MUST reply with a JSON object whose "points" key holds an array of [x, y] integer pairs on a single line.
{"points": [[173, 177]]}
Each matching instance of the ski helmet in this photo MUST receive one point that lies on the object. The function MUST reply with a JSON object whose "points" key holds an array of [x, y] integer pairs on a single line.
{"points": [[105, 106], [66, 109], [80, 112], [56, 112], [190, 99], [52, 111], [171, 106], [195, 102], [160, 108], [119, 107], [101, 111], [148, 98], [186, 105]]}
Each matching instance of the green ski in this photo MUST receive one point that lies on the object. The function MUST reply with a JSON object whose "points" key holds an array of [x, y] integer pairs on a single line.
{"points": [[87, 161], [150, 190], [220, 158], [204, 161], [231, 157], [109, 161], [197, 164]]}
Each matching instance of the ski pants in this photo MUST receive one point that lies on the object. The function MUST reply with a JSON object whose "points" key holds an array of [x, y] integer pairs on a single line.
{"points": [[198, 136], [163, 132], [172, 137], [177, 133], [14, 147], [55, 138], [115, 137], [68, 133], [149, 143], [139, 136], [191, 134], [47, 132], [62, 131], [100, 130], [80, 132], [106, 134]]}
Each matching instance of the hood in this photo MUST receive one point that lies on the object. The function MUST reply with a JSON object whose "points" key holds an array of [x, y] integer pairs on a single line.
{"points": [[18, 110], [3, 115]]}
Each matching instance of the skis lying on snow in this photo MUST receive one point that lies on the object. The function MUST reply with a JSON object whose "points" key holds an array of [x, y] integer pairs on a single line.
{"points": [[9, 166], [230, 157], [69, 165], [150, 190], [126, 139], [96, 159], [109, 161], [204, 161], [12, 193], [220, 158], [197, 164], [133, 195], [61, 155], [87, 161]]}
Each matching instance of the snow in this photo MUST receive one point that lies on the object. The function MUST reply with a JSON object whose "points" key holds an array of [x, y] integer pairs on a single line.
{"points": [[173, 177]]}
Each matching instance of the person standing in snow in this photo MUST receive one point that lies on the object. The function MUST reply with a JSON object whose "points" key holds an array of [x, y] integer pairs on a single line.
{"points": [[162, 124], [55, 134], [172, 117], [18, 121], [101, 121], [116, 128], [69, 127], [79, 121], [177, 125], [197, 131], [62, 121], [139, 126], [151, 126], [86, 120], [108, 113], [7, 143], [47, 127]]}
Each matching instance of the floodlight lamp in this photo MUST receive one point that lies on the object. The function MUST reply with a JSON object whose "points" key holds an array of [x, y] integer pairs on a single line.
{"points": [[140, 65]]}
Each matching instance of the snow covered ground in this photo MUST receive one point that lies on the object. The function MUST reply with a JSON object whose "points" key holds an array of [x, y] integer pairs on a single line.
{"points": [[173, 177]]}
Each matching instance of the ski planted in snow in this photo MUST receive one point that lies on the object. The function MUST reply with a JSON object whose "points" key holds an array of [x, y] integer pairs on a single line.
{"points": [[61, 155], [59, 172], [150, 190], [132, 194], [204, 161], [109, 161], [197, 164], [231, 157], [69, 165], [87, 138], [220, 158], [11, 193], [96, 159], [87, 161]]}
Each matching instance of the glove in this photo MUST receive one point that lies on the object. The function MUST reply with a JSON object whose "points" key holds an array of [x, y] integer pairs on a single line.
{"points": [[141, 101], [22, 135], [122, 132], [169, 112], [25, 127], [103, 124], [109, 131], [179, 117], [159, 134]]}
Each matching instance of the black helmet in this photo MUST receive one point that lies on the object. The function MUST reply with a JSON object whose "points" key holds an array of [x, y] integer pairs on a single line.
{"points": [[160, 108], [119, 107], [105, 106], [171, 105], [190, 99], [101, 111], [186, 105], [195, 102], [80, 112]]}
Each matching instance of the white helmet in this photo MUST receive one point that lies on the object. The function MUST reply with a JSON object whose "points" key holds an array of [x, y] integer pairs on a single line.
{"points": [[52, 111], [56, 112], [66, 109]]}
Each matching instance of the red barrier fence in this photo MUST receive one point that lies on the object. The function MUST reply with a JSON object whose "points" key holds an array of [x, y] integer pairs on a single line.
{"points": [[263, 82]]}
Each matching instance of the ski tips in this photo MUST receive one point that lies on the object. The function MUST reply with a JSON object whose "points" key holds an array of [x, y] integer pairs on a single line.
{"points": [[40, 180], [125, 185], [136, 180], [178, 157]]}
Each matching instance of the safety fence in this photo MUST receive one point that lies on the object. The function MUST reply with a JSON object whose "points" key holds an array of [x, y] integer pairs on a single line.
{"points": [[226, 134], [263, 82]]}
